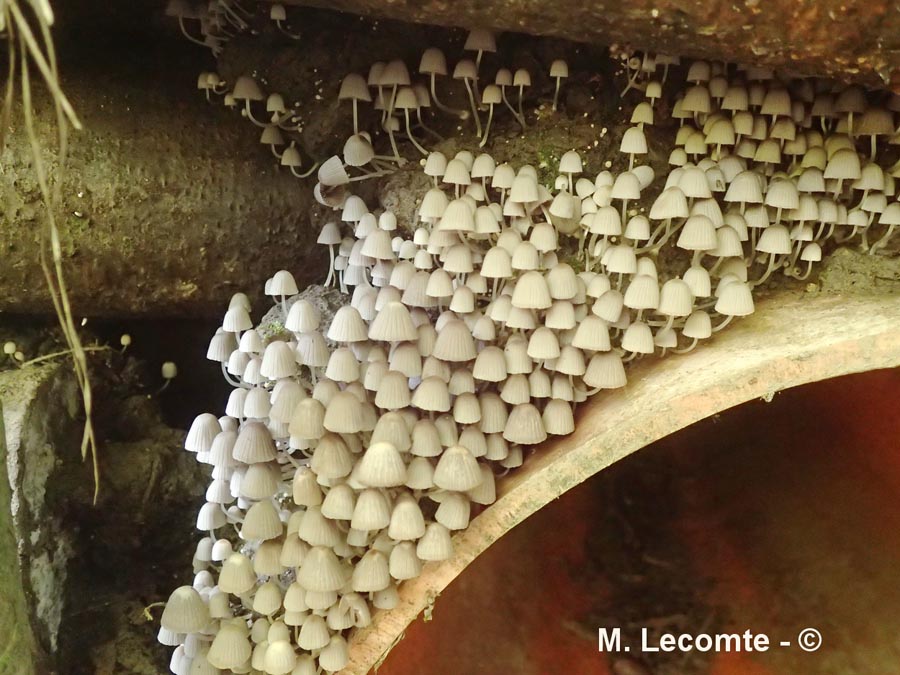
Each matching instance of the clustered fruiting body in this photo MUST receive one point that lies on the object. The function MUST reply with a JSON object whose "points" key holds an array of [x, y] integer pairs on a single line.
{"points": [[216, 21], [399, 101], [350, 452]]}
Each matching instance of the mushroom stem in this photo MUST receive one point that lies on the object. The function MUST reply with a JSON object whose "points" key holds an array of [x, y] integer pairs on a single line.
{"points": [[883, 241], [839, 188], [521, 113], [487, 128], [874, 150], [426, 128], [723, 324], [250, 116], [805, 275], [393, 143], [355, 119], [227, 376], [447, 109], [794, 256], [477, 69], [306, 174], [511, 109], [686, 349], [233, 17], [330, 276], [769, 270], [474, 107], [275, 151], [283, 29], [390, 107], [371, 174], [556, 93], [663, 227], [188, 35], [286, 121], [848, 237], [409, 133]]}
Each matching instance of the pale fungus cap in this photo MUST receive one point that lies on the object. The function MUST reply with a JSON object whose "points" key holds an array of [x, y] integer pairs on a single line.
{"points": [[433, 62], [480, 40], [185, 611]]}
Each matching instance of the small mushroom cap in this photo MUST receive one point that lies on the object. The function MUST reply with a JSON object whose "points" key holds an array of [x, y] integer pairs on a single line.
{"points": [[231, 647], [354, 87], [559, 68], [433, 62], [522, 78], [185, 611], [812, 252], [525, 425], [735, 299], [465, 70], [246, 89], [491, 95], [481, 40], [277, 12], [382, 466], [457, 470]]}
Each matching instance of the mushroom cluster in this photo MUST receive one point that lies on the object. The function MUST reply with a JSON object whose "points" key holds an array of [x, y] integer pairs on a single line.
{"points": [[216, 22], [351, 450], [398, 101], [396, 96]]}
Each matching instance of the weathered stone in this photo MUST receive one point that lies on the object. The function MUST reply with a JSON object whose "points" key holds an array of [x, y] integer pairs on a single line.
{"points": [[39, 407], [851, 39], [16, 639], [88, 568], [326, 300]]}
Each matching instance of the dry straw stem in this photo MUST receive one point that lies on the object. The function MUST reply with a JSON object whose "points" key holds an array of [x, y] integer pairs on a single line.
{"points": [[40, 52], [807, 339]]}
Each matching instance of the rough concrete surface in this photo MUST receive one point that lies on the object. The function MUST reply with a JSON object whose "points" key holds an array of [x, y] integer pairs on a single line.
{"points": [[16, 639], [39, 408]]}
